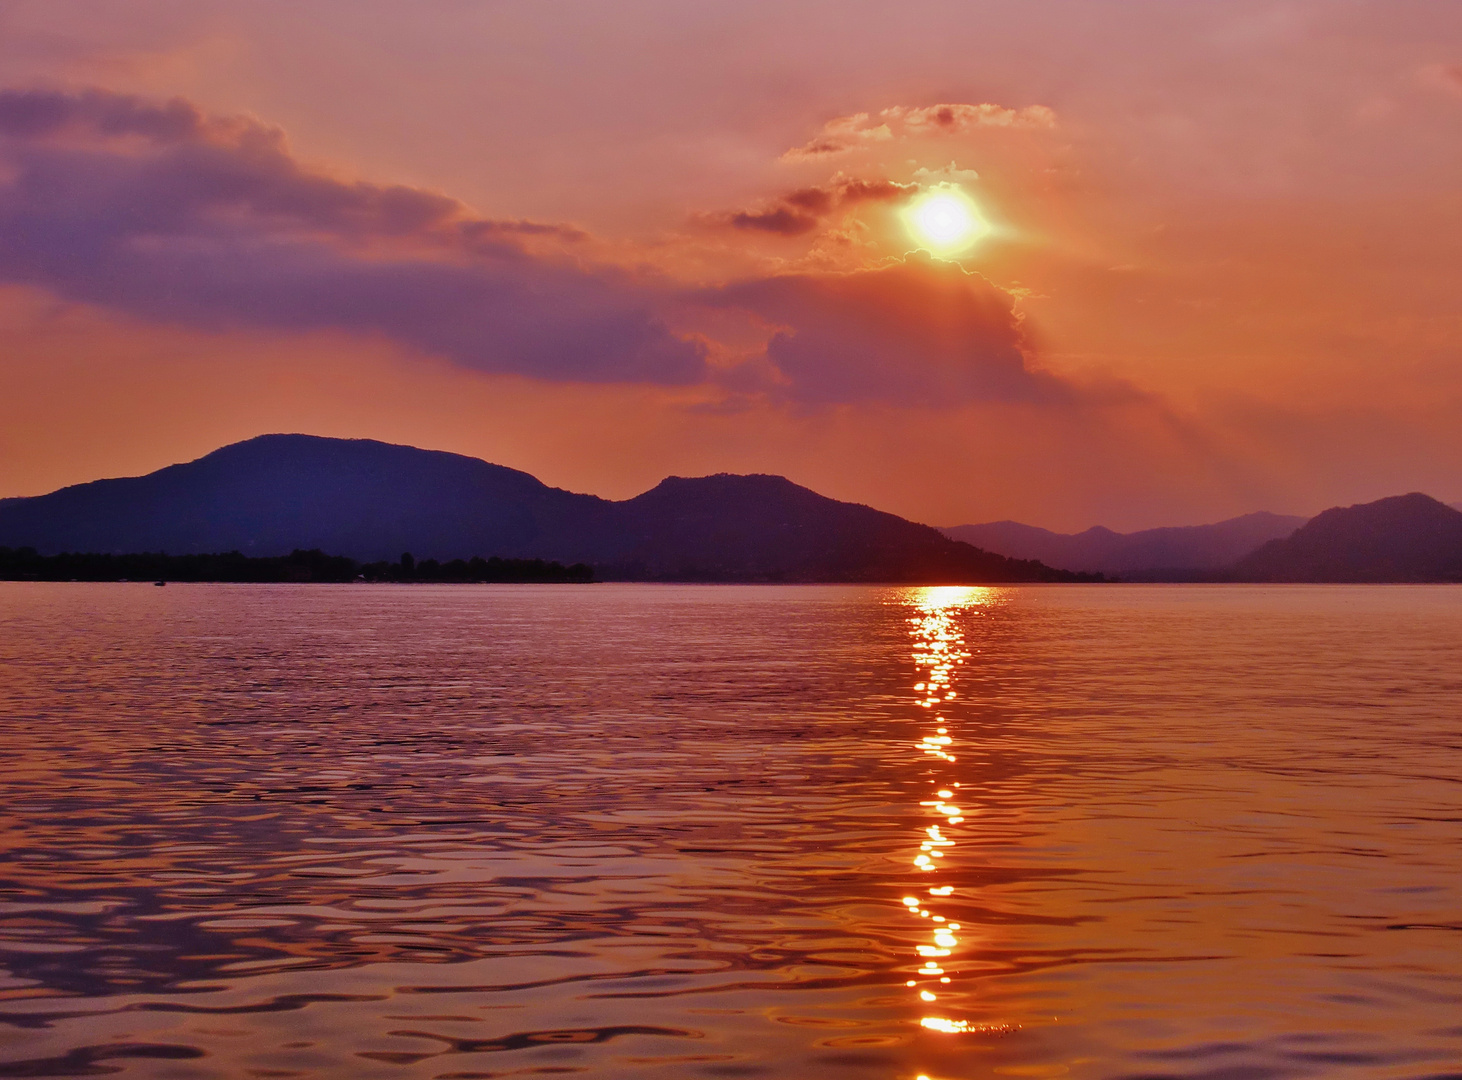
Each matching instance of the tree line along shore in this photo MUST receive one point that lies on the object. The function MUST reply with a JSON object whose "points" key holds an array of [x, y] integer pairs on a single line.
{"points": [[26, 564]]}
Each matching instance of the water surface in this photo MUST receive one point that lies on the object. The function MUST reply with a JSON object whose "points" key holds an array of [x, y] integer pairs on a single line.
{"points": [[803, 832]]}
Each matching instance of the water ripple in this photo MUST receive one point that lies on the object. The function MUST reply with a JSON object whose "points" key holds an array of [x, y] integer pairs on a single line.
{"points": [[462, 832]]}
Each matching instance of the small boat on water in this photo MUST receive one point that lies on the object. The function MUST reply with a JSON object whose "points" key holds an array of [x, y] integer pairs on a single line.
{"points": [[159, 584]]}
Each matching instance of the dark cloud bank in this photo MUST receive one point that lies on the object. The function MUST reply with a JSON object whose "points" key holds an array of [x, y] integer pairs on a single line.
{"points": [[161, 211], [164, 213], [916, 332]]}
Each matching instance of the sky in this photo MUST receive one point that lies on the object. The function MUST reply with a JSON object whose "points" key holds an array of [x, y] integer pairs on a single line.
{"points": [[1218, 269]]}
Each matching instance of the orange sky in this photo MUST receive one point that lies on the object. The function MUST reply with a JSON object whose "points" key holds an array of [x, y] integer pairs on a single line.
{"points": [[606, 243]]}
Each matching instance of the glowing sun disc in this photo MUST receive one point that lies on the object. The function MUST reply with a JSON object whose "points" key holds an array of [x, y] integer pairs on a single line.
{"points": [[945, 219]]}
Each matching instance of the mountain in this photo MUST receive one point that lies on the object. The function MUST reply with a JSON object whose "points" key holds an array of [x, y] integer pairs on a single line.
{"points": [[1404, 538], [270, 495], [370, 500], [728, 527], [1183, 551]]}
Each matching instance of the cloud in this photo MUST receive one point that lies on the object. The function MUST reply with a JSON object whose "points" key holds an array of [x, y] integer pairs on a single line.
{"points": [[840, 134], [801, 211], [856, 191], [161, 211], [815, 200], [917, 332], [846, 133], [781, 220], [177, 217], [945, 174], [958, 119]]}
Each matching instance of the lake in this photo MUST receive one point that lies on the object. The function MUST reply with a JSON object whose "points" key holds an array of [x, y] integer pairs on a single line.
{"points": [[700, 831]]}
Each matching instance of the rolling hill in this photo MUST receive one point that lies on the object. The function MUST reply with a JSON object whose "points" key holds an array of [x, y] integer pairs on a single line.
{"points": [[1152, 554], [1404, 538], [370, 500]]}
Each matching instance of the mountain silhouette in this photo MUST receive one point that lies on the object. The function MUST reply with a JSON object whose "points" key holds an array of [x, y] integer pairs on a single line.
{"points": [[371, 500], [1151, 554], [1404, 538], [275, 493]]}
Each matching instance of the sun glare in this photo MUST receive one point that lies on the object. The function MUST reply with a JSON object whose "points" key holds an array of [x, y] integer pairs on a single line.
{"points": [[945, 219]]}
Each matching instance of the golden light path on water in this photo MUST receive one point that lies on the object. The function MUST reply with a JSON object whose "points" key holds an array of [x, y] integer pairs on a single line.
{"points": [[939, 650]]}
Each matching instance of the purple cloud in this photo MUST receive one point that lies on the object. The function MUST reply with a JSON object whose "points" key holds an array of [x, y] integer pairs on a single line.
{"points": [[800, 212], [169, 214], [166, 213], [918, 332], [783, 221]]}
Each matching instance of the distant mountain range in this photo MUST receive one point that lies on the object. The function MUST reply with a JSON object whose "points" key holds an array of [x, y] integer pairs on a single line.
{"points": [[373, 501], [370, 500], [1180, 552], [1404, 538]]}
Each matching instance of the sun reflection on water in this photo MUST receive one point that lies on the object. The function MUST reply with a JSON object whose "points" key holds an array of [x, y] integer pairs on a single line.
{"points": [[939, 650]]}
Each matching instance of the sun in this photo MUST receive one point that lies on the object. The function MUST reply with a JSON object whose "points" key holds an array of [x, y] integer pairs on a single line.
{"points": [[945, 219]]}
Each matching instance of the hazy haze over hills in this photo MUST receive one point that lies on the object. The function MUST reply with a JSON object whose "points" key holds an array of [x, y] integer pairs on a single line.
{"points": [[372, 500], [1156, 552]]}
